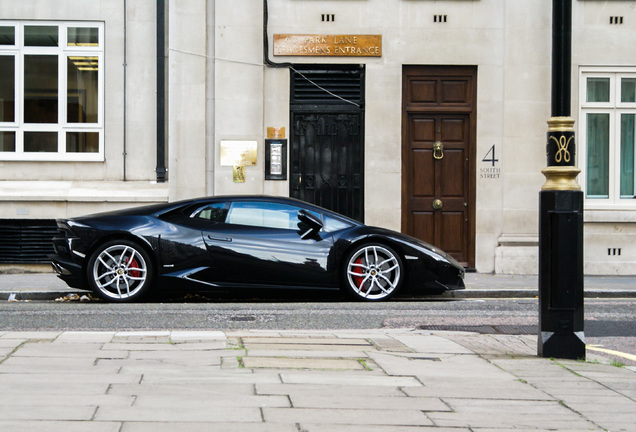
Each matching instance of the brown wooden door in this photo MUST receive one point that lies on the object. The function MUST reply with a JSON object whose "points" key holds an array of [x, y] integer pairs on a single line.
{"points": [[438, 158]]}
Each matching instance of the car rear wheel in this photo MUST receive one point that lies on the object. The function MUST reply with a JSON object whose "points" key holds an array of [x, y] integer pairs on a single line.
{"points": [[373, 272], [120, 271]]}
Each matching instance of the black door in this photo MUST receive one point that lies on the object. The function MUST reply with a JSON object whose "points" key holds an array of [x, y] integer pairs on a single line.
{"points": [[245, 243], [260, 243], [327, 162], [327, 138]]}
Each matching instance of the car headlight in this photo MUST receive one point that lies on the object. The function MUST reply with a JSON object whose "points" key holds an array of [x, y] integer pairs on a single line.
{"points": [[74, 224]]}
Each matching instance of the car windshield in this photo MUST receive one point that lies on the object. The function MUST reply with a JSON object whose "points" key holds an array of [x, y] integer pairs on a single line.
{"points": [[333, 224]]}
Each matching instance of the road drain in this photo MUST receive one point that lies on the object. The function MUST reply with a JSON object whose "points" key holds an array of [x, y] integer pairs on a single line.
{"points": [[243, 318], [238, 318], [486, 329]]}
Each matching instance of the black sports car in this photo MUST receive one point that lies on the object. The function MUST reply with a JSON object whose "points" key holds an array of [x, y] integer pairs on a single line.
{"points": [[243, 242]]}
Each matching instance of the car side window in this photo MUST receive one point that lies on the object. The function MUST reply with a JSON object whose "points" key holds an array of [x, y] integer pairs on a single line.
{"points": [[214, 213], [264, 214], [332, 224]]}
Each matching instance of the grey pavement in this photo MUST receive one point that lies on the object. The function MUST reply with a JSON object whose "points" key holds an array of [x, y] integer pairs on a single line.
{"points": [[304, 381], [401, 380], [46, 286]]}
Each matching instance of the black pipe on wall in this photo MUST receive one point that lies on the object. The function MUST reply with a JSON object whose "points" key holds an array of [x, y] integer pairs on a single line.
{"points": [[266, 59], [161, 91]]}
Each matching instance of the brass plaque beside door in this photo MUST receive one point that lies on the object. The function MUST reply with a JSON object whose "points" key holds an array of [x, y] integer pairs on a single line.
{"points": [[438, 157]]}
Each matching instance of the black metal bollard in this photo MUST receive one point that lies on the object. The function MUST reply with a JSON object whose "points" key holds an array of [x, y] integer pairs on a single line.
{"points": [[561, 311], [561, 320]]}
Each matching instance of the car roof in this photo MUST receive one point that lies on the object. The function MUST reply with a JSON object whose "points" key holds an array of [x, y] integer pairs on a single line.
{"points": [[263, 198], [157, 210]]}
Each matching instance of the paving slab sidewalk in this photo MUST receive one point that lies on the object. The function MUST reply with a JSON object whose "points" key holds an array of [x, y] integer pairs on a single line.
{"points": [[403, 380]]}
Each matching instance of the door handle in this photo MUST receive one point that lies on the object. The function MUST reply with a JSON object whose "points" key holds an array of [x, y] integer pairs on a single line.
{"points": [[299, 181], [438, 204], [223, 239], [438, 150]]}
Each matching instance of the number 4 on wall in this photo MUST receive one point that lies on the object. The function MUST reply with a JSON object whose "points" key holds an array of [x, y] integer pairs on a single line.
{"points": [[490, 156]]}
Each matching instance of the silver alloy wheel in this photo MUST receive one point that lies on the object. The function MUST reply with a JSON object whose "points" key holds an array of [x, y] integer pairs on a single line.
{"points": [[120, 272], [374, 272]]}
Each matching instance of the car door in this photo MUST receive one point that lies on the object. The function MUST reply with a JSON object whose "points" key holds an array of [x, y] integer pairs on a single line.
{"points": [[260, 243]]}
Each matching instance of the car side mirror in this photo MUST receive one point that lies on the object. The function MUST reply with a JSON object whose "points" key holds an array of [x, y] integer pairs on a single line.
{"points": [[311, 222]]}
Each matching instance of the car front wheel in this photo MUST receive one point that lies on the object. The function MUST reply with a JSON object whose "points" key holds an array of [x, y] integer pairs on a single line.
{"points": [[120, 271], [373, 272]]}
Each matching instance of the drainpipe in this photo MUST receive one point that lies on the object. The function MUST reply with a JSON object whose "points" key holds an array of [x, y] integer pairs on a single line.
{"points": [[210, 96], [125, 153], [266, 59], [161, 91]]}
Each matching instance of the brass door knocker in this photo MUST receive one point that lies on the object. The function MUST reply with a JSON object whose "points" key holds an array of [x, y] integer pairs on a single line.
{"points": [[438, 150]]}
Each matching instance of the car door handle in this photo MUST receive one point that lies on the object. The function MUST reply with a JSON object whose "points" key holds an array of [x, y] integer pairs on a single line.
{"points": [[223, 239]]}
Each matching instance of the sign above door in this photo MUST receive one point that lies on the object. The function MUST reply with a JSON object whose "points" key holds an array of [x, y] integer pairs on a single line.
{"points": [[328, 45]]}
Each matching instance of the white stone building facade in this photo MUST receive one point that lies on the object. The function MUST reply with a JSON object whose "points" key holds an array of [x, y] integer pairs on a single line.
{"points": [[98, 150]]}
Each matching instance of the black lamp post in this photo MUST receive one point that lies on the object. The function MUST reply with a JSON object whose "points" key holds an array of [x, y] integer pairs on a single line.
{"points": [[561, 332]]}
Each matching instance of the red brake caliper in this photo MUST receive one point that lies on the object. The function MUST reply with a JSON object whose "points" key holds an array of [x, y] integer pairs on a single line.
{"points": [[358, 270], [133, 264]]}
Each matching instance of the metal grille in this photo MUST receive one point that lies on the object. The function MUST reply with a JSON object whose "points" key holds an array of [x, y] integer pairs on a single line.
{"points": [[327, 161], [26, 240], [485, 329], [336, 85]]}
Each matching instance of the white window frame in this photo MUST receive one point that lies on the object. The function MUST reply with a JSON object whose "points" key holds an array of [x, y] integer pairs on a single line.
{"points": [[615, 108], [63, 51]]}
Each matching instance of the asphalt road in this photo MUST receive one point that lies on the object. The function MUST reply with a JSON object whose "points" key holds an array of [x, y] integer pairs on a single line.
{"points": [[610, 323]]}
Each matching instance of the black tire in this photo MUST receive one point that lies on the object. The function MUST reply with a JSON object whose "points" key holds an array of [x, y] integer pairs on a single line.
{"points": [[373, 272], [120, 271]]}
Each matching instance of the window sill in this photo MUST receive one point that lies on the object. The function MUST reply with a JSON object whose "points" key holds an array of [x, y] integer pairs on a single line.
{"points": [[609, 215], [83, 191], [51, 157]]}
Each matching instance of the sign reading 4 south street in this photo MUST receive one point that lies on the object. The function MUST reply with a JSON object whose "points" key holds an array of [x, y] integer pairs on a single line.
{"points": [[328, 45]]}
